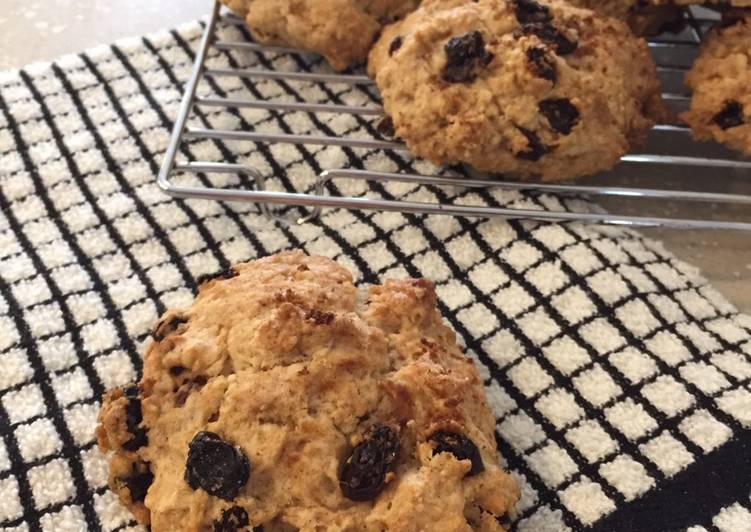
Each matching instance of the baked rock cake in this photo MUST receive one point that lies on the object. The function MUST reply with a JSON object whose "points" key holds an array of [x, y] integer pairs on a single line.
{"points": [[644, 18], [523, 88], [720, 79], [280, 400], [341, 30]]}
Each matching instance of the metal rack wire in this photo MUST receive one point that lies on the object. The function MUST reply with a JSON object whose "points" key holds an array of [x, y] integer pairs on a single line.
{"points": [[673, 56]]}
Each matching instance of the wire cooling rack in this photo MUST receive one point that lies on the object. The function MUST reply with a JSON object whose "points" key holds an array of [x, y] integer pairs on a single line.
{"points": [[673, 56]]}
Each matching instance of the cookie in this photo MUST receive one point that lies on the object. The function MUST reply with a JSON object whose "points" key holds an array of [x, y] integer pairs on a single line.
{"points": [[526, 89], [716, 4], [340, 30], [281, 399], [720, 78], [643, 18]]}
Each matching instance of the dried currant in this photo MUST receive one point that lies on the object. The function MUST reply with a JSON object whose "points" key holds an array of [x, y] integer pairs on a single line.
{"points": [[553, 36], [139, 481], [562, 115], [730, 116], [535, 148], [176, 371], [167, 326], [541, 64], [529, 11], [385, 127], [232, 520], [216, 466], [463, 55], [395, 44], [133, 419], [229, 273], [460, 446], [362, 476]]}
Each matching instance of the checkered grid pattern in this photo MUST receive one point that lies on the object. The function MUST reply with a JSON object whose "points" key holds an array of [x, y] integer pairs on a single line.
{"points": [[736, 516], [612, 368]]}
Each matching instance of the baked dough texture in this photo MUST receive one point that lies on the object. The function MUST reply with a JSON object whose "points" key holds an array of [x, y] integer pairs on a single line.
{"points": [[524, 88], [720, 79], [341, 30], [282, 399], [642, 17]]}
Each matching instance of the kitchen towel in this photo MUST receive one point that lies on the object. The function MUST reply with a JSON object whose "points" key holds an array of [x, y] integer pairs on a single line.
{"points": [[620, 380]]}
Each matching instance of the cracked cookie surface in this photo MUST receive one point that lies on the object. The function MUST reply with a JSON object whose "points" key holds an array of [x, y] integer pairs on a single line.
{"points": [[720, 78], [522, 88], [279, 400]]}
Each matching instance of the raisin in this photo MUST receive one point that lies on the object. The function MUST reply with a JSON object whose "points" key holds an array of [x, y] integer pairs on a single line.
{"points": [[536, 148], [463, 55], [385, 127], [460, 446], [133, 418], [553, 36], [562, 115], [187, 387], [362, 476], [229, 273], [395, 44], [167, 326], [139, 481], [541, 64], [176, 371], [181, 396], [216, 466], [232, 520], [529, 11], [730, 116]]}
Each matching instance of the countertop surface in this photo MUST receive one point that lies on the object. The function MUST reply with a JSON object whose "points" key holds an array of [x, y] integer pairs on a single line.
{"points": [[42, 30]]}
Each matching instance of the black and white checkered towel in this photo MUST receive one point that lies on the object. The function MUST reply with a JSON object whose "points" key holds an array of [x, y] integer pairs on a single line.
{"points": [[620, 380]]}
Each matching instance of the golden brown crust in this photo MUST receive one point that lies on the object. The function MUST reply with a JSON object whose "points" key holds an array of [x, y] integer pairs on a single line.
{"points": [[494, 120], [340, 30], [643, 18], [720, 78], [278, 358]]}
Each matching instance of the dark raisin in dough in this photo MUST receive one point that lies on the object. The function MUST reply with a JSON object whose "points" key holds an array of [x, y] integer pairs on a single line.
{"points": [[133, 419], [167, 326], [395, 44], [562, 115], [385, 127], [232, 520], [460, 446], [529, 11], [139, 481], [216, 466], [463, 55], [541, 64], [730, 116], [553, 36], [176, 371], [229, 273], [363, 474], [536, 148]]}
